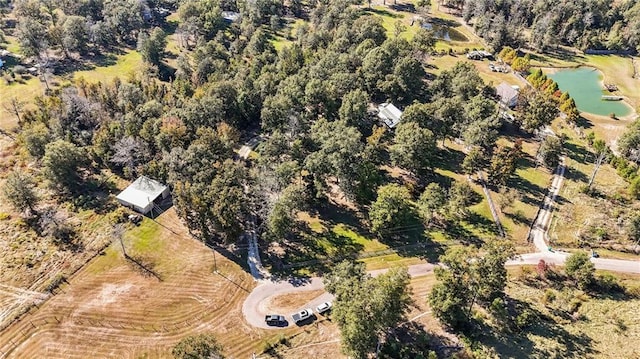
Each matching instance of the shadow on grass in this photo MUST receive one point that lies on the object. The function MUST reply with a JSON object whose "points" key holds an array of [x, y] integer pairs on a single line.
{"points": [[457, 232], [403, 7], [520, 345], [575, 175], [382, 12], [484, 224], [578, 153], [449, 159], [415, 342], [584, 123], [517, 217]]}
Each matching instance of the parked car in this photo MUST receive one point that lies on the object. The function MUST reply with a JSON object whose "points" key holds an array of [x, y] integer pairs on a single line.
{"points": [[323, 307], [302, 315], [275, 320]]}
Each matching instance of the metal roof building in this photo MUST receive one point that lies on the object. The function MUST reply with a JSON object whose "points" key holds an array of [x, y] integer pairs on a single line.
{"points": [[508, 94], [141, 193], [389, 114]]}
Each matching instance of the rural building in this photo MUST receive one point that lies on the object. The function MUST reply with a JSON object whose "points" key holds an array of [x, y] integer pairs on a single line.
{"points": [[479, 55], [141, 194], [389, 114], [230, 16], [508, 94]]}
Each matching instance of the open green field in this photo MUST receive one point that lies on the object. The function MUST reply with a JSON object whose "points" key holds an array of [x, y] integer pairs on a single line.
{"points": [[123, 65]]}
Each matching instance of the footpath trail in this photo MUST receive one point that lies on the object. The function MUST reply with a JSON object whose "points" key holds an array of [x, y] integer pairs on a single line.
{"points": [[255, 306]]}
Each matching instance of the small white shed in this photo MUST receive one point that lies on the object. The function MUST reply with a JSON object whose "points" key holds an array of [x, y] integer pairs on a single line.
{"points": [[389, 114], [141, 194]]}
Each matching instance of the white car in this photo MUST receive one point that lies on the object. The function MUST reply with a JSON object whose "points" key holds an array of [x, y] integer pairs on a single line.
{"points": [[323, 307], [302, 315]]}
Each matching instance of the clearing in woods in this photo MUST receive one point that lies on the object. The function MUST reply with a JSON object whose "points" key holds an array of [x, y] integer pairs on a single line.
{"points": [[114, 308]]}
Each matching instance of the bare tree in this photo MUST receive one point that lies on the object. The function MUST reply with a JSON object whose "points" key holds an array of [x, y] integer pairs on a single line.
{"points": [[128, 153], [15, 107]]}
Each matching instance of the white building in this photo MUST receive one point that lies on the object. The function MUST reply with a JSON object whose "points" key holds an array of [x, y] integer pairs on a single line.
{"points": [[141, 194], [508, 94], [389, 114]]}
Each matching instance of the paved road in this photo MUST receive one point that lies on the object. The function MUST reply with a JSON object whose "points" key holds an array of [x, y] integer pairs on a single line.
{"points": [[255, 306]]}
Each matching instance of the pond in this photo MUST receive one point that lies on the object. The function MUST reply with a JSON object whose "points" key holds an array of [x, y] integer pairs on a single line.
{"points": [[444, 32], [586, 88]]}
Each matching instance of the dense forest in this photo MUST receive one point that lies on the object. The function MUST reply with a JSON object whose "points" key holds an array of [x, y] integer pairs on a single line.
{"points": [[310, 102], [311, 108], [544, 24]]}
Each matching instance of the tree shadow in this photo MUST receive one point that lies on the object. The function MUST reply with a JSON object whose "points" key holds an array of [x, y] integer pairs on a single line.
{"points": [[484, 224], [575, 175], [518, 343], [403, 7], [578, 153], [584, 123], [532, 193], [517, 217], [457, 232], [449, 159], [414, 341], [382, 12]]}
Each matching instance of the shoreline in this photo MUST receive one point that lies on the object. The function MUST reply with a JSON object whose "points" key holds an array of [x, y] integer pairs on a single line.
{"points": [[625, 99]]}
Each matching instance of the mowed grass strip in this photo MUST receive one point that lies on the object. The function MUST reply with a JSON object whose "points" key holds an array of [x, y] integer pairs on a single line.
{"points": [[110, 308]]}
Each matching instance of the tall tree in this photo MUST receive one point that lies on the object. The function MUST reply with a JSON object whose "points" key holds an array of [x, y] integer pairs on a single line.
{"points": [[550, 151], [391, 209], [579, 267], [538, 110], [466, 278], [414, 148], [63, 163], [151, 46], [19, 190], [367, 309], [201, 346]]}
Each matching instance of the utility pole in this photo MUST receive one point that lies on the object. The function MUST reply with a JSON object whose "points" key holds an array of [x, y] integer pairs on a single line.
{"points": [[601, 157]]}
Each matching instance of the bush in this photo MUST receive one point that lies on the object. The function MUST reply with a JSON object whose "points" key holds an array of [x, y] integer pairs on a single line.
{"points": [[549, 296], [19, 69], [607, 282], [525, 319], [56, 282], [633, 292]]}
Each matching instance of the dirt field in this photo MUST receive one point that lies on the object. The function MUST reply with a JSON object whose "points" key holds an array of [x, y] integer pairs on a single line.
{"points": [[112, 308]]}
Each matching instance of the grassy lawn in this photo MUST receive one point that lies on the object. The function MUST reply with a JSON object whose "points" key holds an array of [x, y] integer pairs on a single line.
{"points": [[23, 91], [144, 238], [123, 65]]}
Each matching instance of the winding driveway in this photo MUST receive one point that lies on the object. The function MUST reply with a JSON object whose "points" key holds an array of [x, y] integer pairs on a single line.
{"points": [[255, 308]]}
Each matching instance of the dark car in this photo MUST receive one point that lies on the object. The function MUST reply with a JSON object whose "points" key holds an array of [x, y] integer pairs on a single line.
{"points": [[275, 320]]}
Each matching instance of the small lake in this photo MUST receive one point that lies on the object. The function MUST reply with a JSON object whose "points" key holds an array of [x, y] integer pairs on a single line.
{"points": [[584, 85], [445, 33]]}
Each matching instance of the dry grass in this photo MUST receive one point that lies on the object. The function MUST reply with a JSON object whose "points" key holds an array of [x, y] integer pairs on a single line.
{"points": [[289, 303], [579, 214], [112, 308]]}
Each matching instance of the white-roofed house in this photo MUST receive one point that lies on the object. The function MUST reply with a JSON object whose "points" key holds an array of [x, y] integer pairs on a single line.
{"points": [[141, 194], [389, 114], [508, 94]]}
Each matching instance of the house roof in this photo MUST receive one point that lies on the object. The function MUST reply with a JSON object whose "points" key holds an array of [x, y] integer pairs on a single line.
{"points": [[389, 114], [506, 92], [142, 191]]}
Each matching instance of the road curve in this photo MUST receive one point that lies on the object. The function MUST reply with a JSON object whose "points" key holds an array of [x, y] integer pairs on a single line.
{"points": [[255, 308]]}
